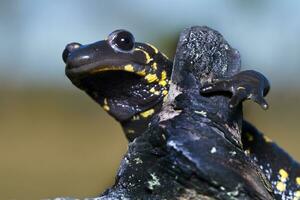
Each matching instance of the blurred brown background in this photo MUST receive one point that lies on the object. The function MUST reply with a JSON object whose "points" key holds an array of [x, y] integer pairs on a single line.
{"points": [[55, 141]]}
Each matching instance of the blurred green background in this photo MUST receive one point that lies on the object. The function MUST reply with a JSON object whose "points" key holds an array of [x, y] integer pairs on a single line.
{"points": [[55, 141]]}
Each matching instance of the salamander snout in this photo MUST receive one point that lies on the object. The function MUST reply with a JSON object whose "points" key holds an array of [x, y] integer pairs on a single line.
{"points": [[69, 48]]}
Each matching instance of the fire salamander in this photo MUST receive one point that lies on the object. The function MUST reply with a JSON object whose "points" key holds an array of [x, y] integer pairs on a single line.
{"points": [[130, 80]]}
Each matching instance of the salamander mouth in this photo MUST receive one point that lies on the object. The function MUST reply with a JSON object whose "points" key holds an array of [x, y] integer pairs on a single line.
{"points": [[111, 83]]}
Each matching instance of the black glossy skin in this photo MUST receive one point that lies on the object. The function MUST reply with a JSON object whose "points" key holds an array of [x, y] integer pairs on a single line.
{"points": [[103, 58], [280, 168], [129, 81]]}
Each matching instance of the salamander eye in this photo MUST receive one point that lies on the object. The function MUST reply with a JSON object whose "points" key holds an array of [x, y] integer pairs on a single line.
{"points": [[121, 40]]}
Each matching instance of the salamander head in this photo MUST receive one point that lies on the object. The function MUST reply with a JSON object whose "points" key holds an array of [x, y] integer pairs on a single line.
{"points": [[128, 79]]}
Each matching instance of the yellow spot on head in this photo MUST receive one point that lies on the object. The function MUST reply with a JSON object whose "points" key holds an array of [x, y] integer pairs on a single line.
{"points": [[283, 175], [151, 78], [280, 186], [267, 139], [153, 47], [147, 113], [297, 195], [129, 68], [298, 181]]}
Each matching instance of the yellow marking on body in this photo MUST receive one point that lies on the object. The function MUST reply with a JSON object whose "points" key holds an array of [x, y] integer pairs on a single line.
{"points": [[135, 118], [106, 107], [157, 93], [298, 181], [241, 88], [105, 101], [147, 113], [153, 47], [163, 75], [165, 92], [152, 90], [141, 73], [147, 56], [130, 131], [267, 139], [249, 137], [154, 65], [297, 195], [129, 68], [280, 186], [151, 78], [162, 83], [283, 175]]}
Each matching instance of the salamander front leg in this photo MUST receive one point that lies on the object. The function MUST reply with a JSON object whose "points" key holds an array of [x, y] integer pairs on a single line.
{"points": [[244, 85]]}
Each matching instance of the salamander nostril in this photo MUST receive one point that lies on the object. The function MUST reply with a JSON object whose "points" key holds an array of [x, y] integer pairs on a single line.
{"points": [[69, 48]]}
